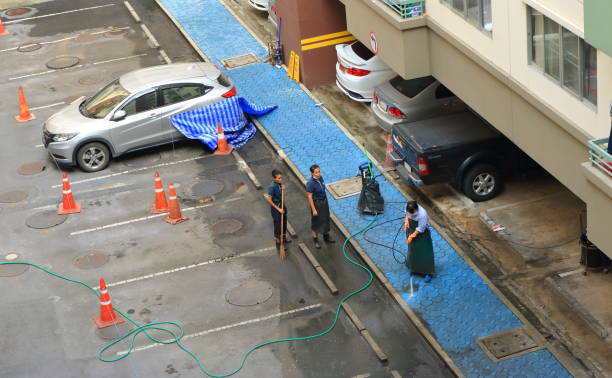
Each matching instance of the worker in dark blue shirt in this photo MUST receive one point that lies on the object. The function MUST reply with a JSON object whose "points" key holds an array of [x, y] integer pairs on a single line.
{"points": [[278, 207], [317, 199]]}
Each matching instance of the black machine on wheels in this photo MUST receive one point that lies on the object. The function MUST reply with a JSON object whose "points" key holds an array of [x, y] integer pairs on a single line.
{"points": [[370, 200]]}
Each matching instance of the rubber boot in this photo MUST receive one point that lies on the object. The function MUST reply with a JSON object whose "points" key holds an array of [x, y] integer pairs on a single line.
{"points": [[328, 238], [316, 243]]}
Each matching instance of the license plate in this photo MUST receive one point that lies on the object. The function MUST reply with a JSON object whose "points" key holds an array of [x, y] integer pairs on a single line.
{"points": [[408, 168]]}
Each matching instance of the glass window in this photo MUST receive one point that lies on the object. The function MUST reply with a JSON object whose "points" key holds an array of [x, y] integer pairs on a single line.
{"points": [[589, 75], [361, 51], [551, 48], [100, 104], [443, 92], [174, 95], [571, 61], [411, 88], [477, 11], [487, 16], [473, 10], [458, 5], [142, 103], [537, 38]]}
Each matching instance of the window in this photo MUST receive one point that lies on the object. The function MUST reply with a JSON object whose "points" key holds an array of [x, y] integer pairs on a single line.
{"points": [[100, 104], [411, 88], [477, 12], [361, 51], [443, 92], [143, 103], [563, 56], [174, 95]]}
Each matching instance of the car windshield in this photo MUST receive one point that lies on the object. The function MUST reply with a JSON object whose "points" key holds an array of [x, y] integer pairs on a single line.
{"points": [[411, 88], [100, 104]]}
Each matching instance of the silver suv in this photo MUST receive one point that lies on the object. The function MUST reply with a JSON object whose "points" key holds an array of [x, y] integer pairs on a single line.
{"points": [[131, 113]]}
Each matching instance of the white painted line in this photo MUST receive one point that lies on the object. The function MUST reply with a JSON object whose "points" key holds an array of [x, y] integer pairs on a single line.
{"points": [[165, 56], [150, 35], [130, 221], [132, 11], [134, 170], [58, 13], [571, 272], [65, 39], [118, 59], [213, 261], [39, 146], [48, 106], [230, 326]]}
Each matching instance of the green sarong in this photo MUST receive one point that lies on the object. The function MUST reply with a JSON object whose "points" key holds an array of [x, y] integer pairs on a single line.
{"points": [[420, 252]]}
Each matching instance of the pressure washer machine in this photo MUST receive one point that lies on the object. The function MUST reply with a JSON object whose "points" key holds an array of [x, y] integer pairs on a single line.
{"points": [[370, 200]]}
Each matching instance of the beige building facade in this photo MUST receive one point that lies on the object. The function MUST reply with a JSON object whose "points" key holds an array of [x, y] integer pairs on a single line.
{"points": [[524, 66]]}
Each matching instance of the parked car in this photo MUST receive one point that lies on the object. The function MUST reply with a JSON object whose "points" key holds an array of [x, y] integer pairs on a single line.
{"points": [[260, 5], [461, 149], [399, 100], [358, 71], [131, 113], [272, 17]]}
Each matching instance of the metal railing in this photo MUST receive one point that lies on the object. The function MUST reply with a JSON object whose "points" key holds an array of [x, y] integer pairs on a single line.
{"points": [[599, 157], [406, 8]]}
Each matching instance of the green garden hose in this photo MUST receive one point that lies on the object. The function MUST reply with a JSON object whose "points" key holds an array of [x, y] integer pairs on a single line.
{"points": [[178, 335]]}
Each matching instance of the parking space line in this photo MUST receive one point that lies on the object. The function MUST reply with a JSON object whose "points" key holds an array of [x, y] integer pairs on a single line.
{"points": [[230, 326], [130, 221], [40, 73], [64, 39], [58, 13], [118, 59], [133, 170], [186, 267], [48, 106]]}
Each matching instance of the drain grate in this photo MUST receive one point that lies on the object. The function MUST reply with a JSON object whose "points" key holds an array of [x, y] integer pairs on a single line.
{"points": [[32, 168], [12, 270], [226, 226], [508, 344], [29, 47], [62, 62], [45, 219], [17, 11], [14, 196], [239, 61], [249, 294], [91, 260], [203, 189], [345, 188]]}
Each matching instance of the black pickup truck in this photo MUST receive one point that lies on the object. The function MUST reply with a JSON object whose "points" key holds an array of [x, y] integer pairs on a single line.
{"points": [[461, 149]]}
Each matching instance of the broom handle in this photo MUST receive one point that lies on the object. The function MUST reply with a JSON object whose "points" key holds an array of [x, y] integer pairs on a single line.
{"points": [[282, 231]]}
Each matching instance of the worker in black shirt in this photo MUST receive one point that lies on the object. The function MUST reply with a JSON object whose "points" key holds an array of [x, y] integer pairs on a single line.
{"points": [[277, 207], [317, 199]]}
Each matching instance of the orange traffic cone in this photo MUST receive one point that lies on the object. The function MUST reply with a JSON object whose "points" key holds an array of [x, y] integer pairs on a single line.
{"points": [[68, 205], [24, 113], [160, 205], [174, 215], [3, 31], [108, 317], [222, 147]]}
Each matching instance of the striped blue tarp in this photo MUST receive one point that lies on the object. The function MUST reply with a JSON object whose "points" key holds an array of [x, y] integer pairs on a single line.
{"points": [[201, 123]]}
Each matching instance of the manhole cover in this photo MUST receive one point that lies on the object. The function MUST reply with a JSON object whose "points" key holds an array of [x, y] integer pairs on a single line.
{"points": [[204, 188], [114, 32], [91, 79], [12, 270], [507, 344], [239, 61], [13, 197], [17, 11], [249, 294], [62, 62], [142, 159], [71, 99], [45, 219], [91, 260], [86, 37], [113, 332], [32, 168], [29, 47], [226, 226], [345, 188]]}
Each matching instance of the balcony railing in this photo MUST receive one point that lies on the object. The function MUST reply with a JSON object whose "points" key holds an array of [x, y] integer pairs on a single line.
{"points": [[599, 157], [406, 8]]}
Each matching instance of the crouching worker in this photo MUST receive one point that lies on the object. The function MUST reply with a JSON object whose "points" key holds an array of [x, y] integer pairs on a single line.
{"points": [[278, 210], [418, 237]]}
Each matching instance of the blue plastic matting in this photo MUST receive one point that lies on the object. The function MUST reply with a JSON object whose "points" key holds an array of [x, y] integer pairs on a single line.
{"points": [[457, 305]]}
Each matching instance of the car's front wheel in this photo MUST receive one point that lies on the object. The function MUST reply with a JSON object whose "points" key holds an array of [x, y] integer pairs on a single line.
{"points": [[93, 157], [482, 182]]}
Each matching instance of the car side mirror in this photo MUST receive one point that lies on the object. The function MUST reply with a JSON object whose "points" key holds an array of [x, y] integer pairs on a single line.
{"points": [[119, 115]]}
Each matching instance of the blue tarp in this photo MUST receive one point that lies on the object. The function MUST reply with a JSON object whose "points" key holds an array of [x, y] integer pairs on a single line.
{"points": [[201, 123]]}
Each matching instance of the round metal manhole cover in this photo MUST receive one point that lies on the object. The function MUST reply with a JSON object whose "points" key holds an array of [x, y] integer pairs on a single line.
{"points": [[29, 47], [249, 294], [91, 79], [14, 196], [32, 168], [62, 62], [45, 219], [12, 270], [17, 11], [114, 32], [142, 159], [226, 226], [204, 188], [86, 37], [113, 332], [91, 260]]}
